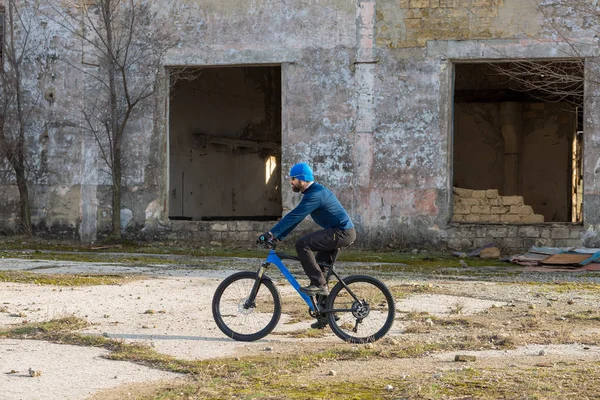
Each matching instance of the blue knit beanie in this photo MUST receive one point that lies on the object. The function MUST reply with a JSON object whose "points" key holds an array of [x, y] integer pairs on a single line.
{"points": [[302, 171]]}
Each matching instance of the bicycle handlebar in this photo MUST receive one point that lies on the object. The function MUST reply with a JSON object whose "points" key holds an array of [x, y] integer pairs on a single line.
{"points": [[267, 242]]}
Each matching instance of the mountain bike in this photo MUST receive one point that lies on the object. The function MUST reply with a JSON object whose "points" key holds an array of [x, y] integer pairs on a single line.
{"points": [[246, 306]]}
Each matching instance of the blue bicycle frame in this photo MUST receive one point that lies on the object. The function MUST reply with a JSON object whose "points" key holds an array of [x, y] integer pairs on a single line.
{"points": [[273, 258]]}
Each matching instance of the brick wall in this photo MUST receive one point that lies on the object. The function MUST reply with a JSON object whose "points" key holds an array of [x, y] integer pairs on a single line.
{"points": [[228, 233], [411, 23], [510, 238], [513, 238], [488, 206], [218, 233]]}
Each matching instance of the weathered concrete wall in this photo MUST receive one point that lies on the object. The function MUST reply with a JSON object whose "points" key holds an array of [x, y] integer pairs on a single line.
{"points": [[478, 141], [548, 131], [412, 23], [366, 99]]}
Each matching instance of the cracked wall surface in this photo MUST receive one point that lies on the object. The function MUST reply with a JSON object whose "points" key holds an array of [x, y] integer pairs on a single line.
{"points": [[366, 99]]}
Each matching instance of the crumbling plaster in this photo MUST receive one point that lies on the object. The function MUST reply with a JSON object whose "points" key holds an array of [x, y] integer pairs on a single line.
{"points": [[395, 177], [366, 98]]}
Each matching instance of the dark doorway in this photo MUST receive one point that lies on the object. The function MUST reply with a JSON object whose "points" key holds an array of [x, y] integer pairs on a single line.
{"points": [[225, 145], [519, 139]]}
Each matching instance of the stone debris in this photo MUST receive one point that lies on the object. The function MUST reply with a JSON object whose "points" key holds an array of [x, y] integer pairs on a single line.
{"points": [[388, 340], [19, 315], [490, 252], [489, 206]]}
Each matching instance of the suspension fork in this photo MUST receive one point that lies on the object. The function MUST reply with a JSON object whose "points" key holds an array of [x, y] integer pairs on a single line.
{"points": [[259, 274]]}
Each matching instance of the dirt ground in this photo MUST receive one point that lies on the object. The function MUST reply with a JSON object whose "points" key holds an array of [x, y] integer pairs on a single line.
{"points": [[170, 310]]}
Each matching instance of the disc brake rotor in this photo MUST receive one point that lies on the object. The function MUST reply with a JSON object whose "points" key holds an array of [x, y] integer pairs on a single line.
{"points": [[242, 309]]}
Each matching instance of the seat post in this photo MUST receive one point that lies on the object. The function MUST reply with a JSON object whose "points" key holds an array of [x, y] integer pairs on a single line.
{"points": [[334, 257]]}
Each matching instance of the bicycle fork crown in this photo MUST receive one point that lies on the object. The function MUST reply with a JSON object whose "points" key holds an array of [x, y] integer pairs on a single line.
{"points": [[262, 269]]}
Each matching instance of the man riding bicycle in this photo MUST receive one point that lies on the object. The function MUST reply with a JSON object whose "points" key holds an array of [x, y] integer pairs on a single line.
{"points": [[326, 210]]}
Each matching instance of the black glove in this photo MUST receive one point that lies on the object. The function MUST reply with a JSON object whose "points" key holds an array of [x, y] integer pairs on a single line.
{"points": [[265, 237]]}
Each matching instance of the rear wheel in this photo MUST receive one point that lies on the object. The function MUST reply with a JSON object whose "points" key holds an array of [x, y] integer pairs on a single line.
{"points": [[243, 320], [365, 317]]}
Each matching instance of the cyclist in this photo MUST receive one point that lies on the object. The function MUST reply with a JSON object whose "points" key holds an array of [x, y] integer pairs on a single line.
{"points": [[326, 210]]}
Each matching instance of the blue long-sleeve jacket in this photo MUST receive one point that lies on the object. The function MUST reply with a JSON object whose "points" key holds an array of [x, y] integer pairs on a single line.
{"points": [[322, 205]]}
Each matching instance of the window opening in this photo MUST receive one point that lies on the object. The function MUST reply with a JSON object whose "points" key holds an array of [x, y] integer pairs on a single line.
{"points": [[225, 145], [518, 142]]}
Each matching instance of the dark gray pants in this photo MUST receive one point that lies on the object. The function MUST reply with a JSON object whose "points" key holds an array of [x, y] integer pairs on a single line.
{"points": [[324, 242]]}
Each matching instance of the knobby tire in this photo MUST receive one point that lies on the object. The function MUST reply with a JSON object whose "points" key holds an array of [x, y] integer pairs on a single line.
{"points": [[381, 314], [246, 324]]}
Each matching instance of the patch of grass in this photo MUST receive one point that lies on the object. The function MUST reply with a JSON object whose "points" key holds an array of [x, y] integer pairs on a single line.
{"points": [[62, 279], [282, 387], [417, 316], [15, 246], [417, 329], [124, 258], [432, 259], [565, 287], [457, 308], [37, 248], [303, 333], [562, 334], [45, 330], [529, 324], [587, 315], [62, 331], [559, 382], [462, 322], [499, 341], [274, 376]]}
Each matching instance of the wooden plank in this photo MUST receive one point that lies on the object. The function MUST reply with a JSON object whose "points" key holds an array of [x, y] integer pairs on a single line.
{"points": [[565, 259]]}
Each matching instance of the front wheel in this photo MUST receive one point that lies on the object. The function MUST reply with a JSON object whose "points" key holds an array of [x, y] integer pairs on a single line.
{"points": [[363, 311], [241, 319]]}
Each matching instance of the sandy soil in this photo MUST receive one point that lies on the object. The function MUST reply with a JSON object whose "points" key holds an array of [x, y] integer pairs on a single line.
{"points": [[170, 311]]}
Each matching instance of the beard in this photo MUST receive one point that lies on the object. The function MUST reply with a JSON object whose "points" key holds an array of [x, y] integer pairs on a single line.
{"points": [[295, 189]]}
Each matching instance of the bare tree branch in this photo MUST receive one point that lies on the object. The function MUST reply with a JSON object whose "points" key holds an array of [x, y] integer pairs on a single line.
{"points": [[129, 62]]}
